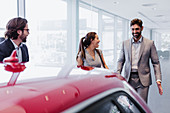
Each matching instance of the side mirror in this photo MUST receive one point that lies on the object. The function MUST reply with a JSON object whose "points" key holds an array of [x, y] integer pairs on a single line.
{"points": [[12, 65], [12, 58]]}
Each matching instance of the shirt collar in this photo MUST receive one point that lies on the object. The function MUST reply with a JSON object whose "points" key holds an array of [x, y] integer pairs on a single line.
{"points": [[15, 44], [139, 41]]}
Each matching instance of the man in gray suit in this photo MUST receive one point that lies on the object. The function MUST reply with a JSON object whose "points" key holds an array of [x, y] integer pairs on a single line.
{"points": [[135, 56]]}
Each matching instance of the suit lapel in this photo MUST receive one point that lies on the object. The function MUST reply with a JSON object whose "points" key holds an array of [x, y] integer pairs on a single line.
{"points": [[130, 50], [10, 47], [23, 56], [10, 44], [142, 47]]}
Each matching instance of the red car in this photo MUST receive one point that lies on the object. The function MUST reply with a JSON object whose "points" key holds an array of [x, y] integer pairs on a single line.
{"points": [[74, 89]]}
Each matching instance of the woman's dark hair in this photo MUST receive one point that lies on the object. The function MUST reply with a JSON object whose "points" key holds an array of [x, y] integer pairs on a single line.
{"points": [[13, 25], [85, 42], [136, 21]]}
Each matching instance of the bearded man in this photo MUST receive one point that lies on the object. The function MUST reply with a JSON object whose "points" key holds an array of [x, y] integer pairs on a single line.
{"points": [[135, 56], [16, 34]]}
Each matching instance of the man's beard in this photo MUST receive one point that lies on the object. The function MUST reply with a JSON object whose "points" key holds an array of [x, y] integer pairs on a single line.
{"points": [[136, 36], [23, 38]]}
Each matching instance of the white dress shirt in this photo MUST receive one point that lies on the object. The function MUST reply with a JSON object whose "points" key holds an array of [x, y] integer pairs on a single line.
{"points": [[19, 52], [135, 53]]}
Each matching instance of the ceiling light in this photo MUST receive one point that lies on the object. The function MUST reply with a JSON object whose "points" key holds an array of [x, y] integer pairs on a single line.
{"points": [[149, 5], [154, 8], [115, 2], [159, 15]]}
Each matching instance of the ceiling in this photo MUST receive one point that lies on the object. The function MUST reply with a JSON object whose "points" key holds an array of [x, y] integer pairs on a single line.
{"points": [[154, 13]]}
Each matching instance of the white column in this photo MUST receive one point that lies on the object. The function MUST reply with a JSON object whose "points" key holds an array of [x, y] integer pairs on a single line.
{"points": [[21, 8], [73, 30]]}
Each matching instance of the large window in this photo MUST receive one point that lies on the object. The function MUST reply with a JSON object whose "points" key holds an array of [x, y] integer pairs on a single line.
{"points": [[108, 38], [88, 20], [146, 33], [119, 36], [8, 10], [165, 45], [112, 30], [47, 41]]}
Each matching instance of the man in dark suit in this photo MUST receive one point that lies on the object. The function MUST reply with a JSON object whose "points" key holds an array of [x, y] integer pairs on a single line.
{"points": [[135, 55], [16, 34]]}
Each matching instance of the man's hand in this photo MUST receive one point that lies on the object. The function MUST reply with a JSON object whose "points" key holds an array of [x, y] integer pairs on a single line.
{"points": [[159, 87]]}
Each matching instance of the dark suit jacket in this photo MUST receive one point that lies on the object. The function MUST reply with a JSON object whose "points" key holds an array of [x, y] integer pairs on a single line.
{"points": [[147, 52], [6, 48]]}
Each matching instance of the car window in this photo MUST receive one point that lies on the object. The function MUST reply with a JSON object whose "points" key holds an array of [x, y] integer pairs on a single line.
{"points": [[127, 104], [119, 102], [107, 107], [102, 106]]}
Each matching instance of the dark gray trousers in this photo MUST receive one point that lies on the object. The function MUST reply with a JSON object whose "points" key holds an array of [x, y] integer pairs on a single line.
{"points": [[134, 81]]}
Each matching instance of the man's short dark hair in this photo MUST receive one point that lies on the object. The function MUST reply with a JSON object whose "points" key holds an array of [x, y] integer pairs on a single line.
{"points": [[13, 25], [136, 21]]}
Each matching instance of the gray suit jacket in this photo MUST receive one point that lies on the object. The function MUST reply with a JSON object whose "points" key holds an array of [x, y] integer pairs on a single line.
{"points": [[147, 52]]}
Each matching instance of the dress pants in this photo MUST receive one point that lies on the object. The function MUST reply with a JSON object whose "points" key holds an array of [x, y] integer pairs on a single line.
{"points": [[134, 81]]}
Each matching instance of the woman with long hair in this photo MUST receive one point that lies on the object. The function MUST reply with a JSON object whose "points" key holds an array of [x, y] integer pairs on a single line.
{"points": [[87, 54]]}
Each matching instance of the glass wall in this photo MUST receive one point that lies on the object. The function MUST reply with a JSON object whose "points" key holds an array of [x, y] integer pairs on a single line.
{"points": [[88, 20], [48, 31], [108, 30], [157, 40], [8, 10], [104, 23], [146, 33], [118, 36], [54, 34], [165, 42]]}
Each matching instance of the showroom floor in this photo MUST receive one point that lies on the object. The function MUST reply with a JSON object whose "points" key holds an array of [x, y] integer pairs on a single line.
{"points": [[157, 103]]}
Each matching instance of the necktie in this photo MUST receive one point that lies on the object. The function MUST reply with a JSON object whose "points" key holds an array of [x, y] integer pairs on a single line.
{"points": [[17, 51], [19, 54]]}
